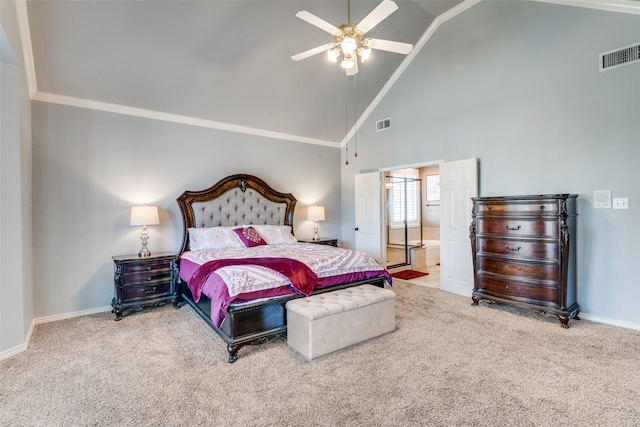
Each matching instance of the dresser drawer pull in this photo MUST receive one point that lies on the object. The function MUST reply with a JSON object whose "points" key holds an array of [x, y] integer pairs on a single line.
{"points": [[149, 278], [542, 207], [148, 291], [149, 268], [516, 228], [506, 267], [512, 249]]}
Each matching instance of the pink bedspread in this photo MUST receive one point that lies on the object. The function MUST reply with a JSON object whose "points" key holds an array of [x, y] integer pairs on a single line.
{"points": [[237, 281], [300, 276]]}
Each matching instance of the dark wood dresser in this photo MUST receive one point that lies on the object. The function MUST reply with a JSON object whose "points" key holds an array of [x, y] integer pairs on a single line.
{"points": [[143, 282], [524, 252]]}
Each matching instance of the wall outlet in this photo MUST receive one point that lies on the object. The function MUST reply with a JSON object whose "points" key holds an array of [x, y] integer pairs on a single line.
{"points": [[602, 199], [621, 203]]}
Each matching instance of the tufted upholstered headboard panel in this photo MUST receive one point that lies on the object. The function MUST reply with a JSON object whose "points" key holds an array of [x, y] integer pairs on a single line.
{"points": [[235, 200]]}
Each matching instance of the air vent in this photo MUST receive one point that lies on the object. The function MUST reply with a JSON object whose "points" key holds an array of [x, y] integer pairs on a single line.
{"points": [[618, 57], [383, 124]]}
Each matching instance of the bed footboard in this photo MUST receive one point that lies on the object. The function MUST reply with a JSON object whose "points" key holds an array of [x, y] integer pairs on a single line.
{"points": [[255, 322]]}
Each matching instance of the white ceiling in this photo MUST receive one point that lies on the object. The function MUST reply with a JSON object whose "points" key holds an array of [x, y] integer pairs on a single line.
{"points": [[222, 64], [221, 61]]}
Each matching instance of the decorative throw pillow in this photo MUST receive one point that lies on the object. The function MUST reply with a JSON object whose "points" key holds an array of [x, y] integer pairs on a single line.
{"points": [[209, 238], [276, 234], [249, 237]]}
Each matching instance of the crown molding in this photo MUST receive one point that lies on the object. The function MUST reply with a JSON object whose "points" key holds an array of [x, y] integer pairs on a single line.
{"points": [[174, 118], [619, 6], [27, 50]]}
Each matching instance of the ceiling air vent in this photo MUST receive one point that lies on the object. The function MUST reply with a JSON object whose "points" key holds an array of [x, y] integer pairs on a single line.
{"points": [[383, 124], [618, 57]]}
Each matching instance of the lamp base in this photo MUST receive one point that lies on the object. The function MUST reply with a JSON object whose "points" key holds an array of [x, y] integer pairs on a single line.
{"points": [[315, 230], [144, 253], [144, 238]]}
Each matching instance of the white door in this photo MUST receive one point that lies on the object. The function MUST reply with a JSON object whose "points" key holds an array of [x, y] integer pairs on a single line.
{"points": [[368, 229], [458, 184]]}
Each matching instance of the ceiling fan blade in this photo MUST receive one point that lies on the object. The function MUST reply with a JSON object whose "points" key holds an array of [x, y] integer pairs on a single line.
{"points": [[389, 46], [353, 70], [377, 15], [314, 51], [318, 22]]}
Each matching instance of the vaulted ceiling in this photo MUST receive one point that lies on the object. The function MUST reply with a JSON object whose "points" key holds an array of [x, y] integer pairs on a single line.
{"points": [[221, 64], [227, 62]]}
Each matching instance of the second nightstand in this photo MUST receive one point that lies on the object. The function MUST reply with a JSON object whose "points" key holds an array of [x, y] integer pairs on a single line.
{"points": [[321, 241], [142, 282]]}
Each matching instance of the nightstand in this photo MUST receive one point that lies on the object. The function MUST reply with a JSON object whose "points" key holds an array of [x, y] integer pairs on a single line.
{"points": [[143, 282], [321, 241]]}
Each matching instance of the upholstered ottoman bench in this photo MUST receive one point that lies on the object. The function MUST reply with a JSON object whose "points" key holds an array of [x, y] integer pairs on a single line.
{"points": [[327, 322]]}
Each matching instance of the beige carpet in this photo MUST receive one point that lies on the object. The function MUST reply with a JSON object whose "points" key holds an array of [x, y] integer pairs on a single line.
{"points": [[447, 364]]}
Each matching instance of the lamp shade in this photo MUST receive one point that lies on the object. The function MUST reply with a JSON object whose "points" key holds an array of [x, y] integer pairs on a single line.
{"points": [[315, 213], [144, 215]]}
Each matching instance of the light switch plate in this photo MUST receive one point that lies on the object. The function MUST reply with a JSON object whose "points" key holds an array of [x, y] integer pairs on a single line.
{"points": [[621, 203], [602, 199]]}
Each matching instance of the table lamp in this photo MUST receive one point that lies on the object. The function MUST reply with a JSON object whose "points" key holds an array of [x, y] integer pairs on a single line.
{"points": [[315, 214], [144, 216]]}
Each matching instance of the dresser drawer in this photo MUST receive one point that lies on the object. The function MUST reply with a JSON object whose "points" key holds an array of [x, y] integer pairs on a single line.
{"points": [[538, 294], [518, 227], [522, 249], [547, 272], [142, 267], [147, 291], [534, 207], [145, 277]]}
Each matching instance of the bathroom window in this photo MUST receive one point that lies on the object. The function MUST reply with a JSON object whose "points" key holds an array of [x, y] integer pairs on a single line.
{"points": [[404, 200], [433, 188]]}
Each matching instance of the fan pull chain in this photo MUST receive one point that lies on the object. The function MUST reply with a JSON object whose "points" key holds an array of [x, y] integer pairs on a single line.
{"points": [[346, 122]]}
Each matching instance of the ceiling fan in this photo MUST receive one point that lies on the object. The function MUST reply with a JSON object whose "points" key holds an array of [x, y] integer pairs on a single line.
{"points": [[349, 37]]}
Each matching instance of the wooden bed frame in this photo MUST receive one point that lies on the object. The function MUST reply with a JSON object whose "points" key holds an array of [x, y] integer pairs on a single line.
{"points": [[251, 322]]}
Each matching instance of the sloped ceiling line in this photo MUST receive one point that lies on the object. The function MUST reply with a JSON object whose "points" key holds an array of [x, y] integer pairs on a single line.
{"points": [[621, 6]]}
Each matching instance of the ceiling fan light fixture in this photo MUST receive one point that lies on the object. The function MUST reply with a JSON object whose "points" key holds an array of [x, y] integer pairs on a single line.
{"points": [[364, 53], [349, 37], [349, 45], [348, 62], [333, 54]]}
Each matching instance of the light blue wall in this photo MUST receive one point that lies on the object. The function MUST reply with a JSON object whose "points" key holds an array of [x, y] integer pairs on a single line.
{"points": [[516, 84], [90, 167], [16, 277]]}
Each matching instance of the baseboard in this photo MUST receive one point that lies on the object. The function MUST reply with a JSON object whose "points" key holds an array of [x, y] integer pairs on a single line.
{"points": [[608, 321], [71, 315], [22, 347], [13, 351]]}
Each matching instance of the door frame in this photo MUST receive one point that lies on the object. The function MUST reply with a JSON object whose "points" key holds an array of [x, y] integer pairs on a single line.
{"points": [[384, 195]]}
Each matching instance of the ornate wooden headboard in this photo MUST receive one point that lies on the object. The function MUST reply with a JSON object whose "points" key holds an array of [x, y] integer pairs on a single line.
{"points": [[235, 200]]}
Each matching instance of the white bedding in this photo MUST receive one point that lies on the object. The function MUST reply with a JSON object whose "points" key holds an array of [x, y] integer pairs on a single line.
{"points": [[323, 260]]}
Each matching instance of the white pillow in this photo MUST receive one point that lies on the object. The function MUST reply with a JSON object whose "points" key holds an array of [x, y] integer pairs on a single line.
{"points": [[275, 234], [213, 238]]}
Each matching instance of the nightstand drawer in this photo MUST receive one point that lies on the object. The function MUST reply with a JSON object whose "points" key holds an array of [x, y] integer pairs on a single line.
{"points": [[153, 275], [148, 267], [147, 291]]}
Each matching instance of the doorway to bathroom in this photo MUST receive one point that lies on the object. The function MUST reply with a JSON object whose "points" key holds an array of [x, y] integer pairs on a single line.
{"points": [[412, 217]]}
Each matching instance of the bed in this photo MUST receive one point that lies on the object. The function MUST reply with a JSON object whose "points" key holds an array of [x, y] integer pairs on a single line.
{"points": [[240, 262]]}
